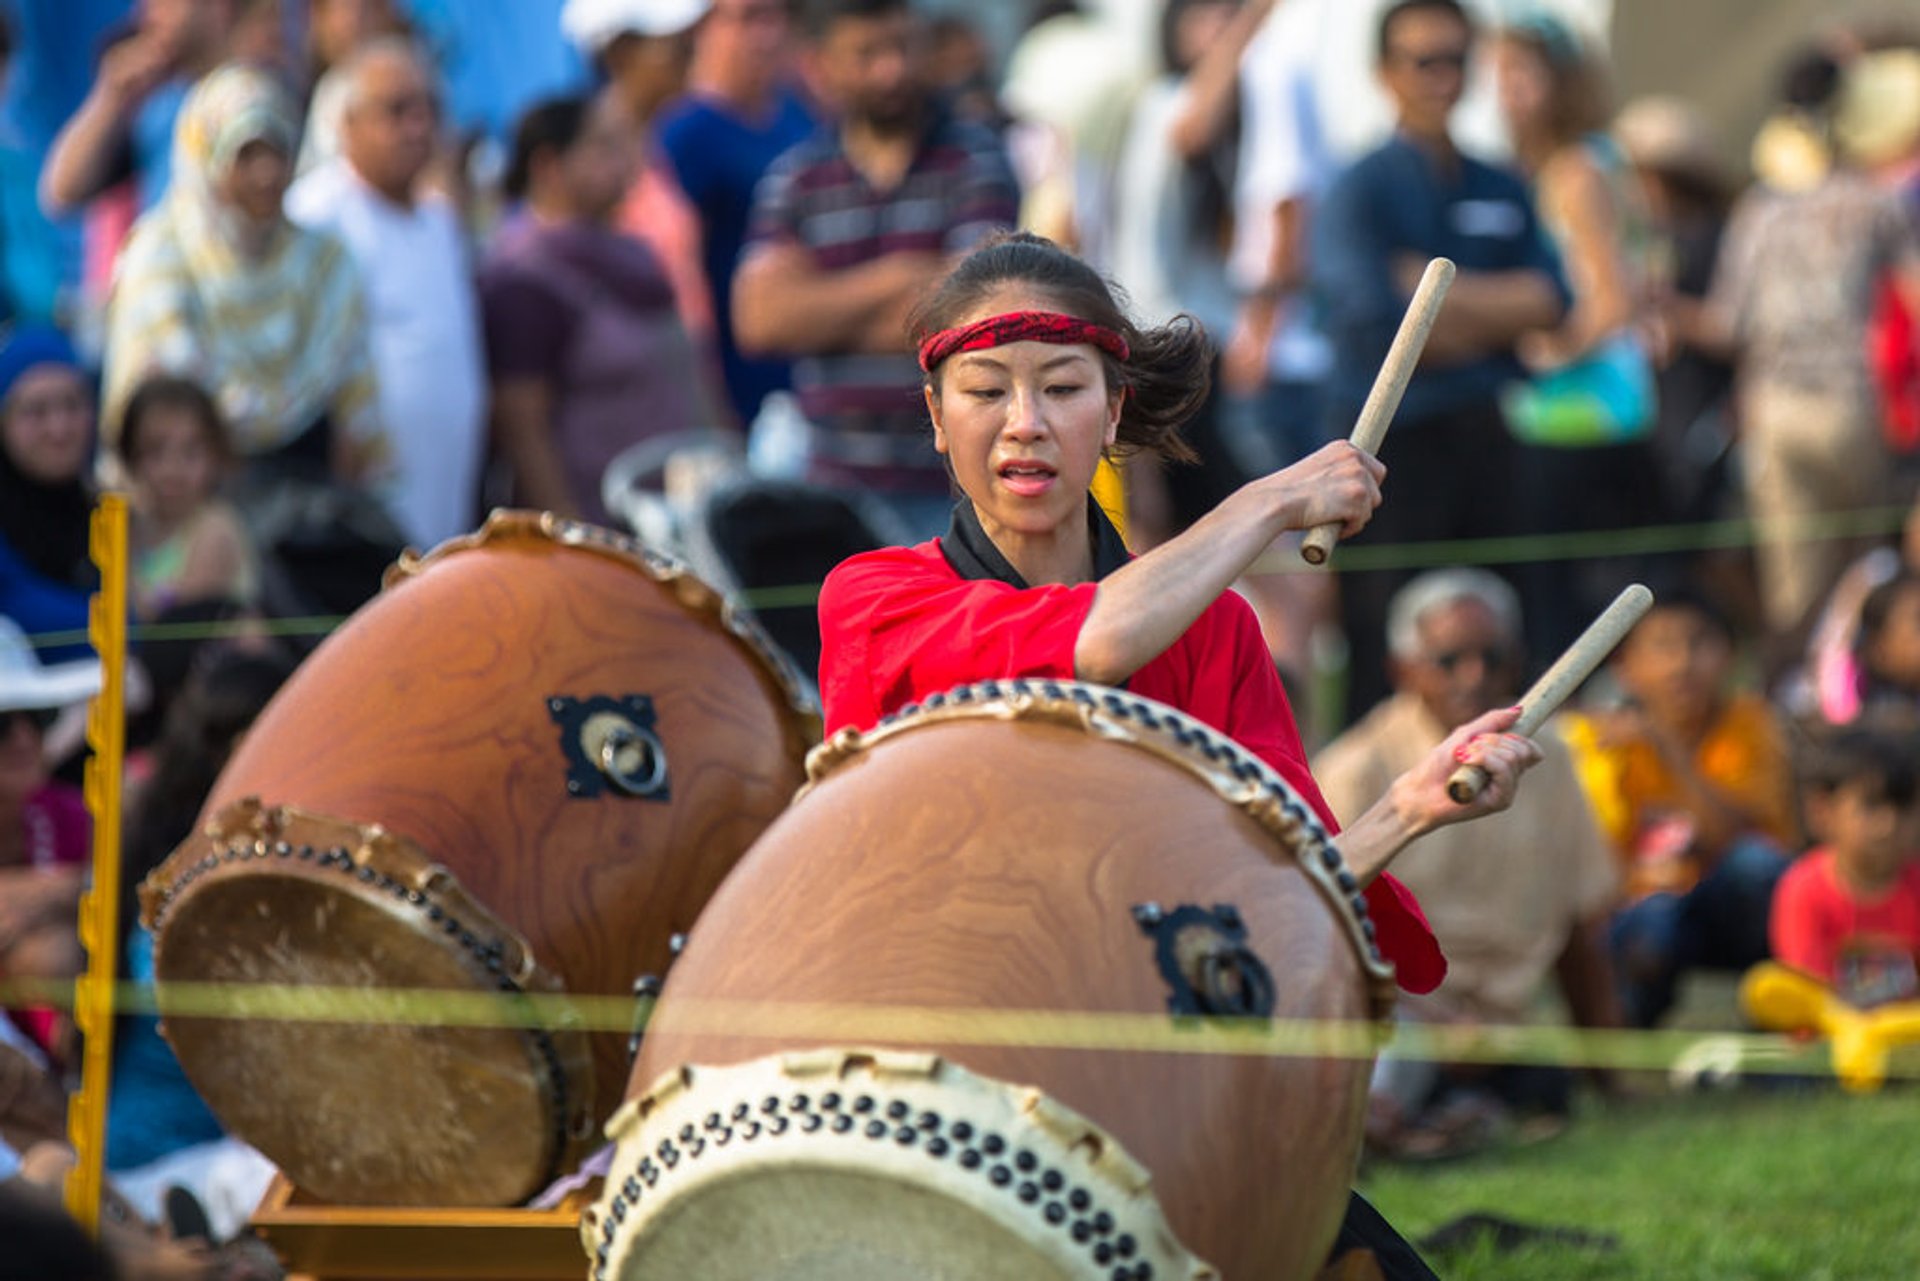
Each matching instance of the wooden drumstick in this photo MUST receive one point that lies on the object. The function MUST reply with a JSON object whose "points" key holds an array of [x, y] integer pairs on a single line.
{"points": [[1560, 680], [1389, 385]]}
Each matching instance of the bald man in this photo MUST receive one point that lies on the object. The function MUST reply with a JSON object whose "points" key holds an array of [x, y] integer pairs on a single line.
{"points": [[413, 259]]}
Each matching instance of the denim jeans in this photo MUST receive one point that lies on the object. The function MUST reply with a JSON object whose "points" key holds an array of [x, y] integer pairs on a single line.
{"points": [[1721, 924]]}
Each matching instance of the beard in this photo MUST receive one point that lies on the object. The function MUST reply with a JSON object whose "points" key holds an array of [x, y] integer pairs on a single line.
{"points": [[893, 114]]}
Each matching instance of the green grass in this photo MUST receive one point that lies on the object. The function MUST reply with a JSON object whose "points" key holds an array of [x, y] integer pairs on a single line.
{"points": [[1774, 1185]]}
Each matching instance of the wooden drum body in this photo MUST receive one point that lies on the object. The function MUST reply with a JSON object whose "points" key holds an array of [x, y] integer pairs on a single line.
{"points": [[522, 769], [1029, 860]]}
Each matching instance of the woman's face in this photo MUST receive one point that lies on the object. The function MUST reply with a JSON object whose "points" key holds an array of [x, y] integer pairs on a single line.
{"points": [[1522, 81], [598, 167], [177, 467], [48, 424], [1024, 425], [256, 182]]}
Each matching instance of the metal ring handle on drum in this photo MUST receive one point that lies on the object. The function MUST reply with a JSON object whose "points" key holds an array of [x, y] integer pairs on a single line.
{"points": [[622, 738], [1253, 996]]}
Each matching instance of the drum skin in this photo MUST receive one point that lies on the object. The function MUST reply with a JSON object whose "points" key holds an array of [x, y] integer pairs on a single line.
{"points": [[982, 862], [432, 715]]}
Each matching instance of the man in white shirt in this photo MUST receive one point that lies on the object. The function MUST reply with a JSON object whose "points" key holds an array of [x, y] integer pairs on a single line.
{"points": [[411, 254]]}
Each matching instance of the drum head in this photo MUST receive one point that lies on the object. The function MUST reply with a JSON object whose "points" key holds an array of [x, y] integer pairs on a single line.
{"points": [[361, 1107], [859, 1165]]}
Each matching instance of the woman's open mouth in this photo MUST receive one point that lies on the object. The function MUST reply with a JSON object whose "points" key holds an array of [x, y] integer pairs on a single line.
{"points": [[1026, 478]]}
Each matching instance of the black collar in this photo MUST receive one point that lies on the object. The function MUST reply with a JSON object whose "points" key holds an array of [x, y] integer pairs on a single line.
{"points": [[974, 556]]}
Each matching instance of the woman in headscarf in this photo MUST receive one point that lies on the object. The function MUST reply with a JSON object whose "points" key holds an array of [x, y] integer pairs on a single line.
{"points": [[46, 453], [216, 284]]}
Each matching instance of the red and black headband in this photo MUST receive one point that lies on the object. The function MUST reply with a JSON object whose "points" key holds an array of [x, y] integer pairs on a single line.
{"points": [[1019, 326]]}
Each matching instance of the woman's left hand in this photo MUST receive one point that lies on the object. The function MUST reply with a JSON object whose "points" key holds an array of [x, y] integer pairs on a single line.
{"points": [[1483, 741]]}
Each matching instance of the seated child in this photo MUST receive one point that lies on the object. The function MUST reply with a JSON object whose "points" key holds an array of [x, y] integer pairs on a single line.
{"points": [[1691, 780], [187, 543], [1848, 911], [1887, 653], [1830, 685]]}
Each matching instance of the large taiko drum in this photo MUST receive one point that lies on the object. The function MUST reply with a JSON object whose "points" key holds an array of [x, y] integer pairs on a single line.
{"points": [[987, 886], [522, 770]]}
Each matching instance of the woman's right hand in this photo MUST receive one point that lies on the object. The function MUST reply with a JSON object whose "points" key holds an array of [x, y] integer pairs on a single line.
{"points": [[1337, 484]]}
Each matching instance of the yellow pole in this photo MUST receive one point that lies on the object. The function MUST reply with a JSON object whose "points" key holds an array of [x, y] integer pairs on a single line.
{"points": [[100, 906]]}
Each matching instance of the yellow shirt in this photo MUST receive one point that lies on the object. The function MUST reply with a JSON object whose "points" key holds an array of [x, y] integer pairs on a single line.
{"points": [[1743, 754]]}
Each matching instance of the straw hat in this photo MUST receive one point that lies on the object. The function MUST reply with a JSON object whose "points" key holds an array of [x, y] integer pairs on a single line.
{"points": [[27, 684], [1877, 119]]}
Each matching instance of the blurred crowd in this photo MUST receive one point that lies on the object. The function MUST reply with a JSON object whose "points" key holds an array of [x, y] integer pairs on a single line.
{"points": [[313, 319]]}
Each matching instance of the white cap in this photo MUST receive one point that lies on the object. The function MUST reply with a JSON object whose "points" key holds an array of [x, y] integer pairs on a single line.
{"points": [[595, 24], [27, 684]]}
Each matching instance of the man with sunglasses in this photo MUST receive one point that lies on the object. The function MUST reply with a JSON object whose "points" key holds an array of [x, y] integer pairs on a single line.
{"points": [[407, 242], [1524, 895], [1414, 198]]}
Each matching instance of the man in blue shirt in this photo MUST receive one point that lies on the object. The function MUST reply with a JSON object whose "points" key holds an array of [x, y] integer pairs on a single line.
{"points": [[740, 114], [1450, 460]]}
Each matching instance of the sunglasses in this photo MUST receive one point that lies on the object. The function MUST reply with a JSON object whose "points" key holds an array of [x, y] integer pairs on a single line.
{"points": [[1425, 63], [1490, 656]]}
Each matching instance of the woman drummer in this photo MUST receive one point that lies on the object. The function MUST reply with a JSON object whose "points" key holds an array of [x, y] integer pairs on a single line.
{"points": [[1033, 373]]}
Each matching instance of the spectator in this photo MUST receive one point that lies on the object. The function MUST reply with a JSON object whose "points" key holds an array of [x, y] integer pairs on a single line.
{"points": [[116, 153], [849, 228], [587, 353], [1887, 653], [1586, 415], [1415, 198], [1276, 358], [1832, 688], [740, 112], [186, 543], [217, 285], [1173, 218], [335, 30], [46, 496], [43, 831], [960, 70], [1692, 783], [1687, 195], [1848, 911], [424, 324], [643, 49], [1524, 896], [1793, 294]]}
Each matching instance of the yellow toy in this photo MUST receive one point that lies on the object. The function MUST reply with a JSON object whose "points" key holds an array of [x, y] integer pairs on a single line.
{"points": [[1785, 1000]]}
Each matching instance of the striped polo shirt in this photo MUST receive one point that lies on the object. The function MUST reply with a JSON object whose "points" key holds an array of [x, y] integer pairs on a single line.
{"points": [[870, 424]]}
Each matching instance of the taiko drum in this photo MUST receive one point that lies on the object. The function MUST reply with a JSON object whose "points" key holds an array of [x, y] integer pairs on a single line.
{"points": [[520, 770], [932, 1024]]}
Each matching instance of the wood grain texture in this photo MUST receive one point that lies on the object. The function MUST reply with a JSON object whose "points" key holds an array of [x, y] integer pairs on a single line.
{"points": [[427, 714], [989, 865]]}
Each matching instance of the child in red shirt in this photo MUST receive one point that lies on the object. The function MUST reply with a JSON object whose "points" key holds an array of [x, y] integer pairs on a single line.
{"points": [[1848, 912]]}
